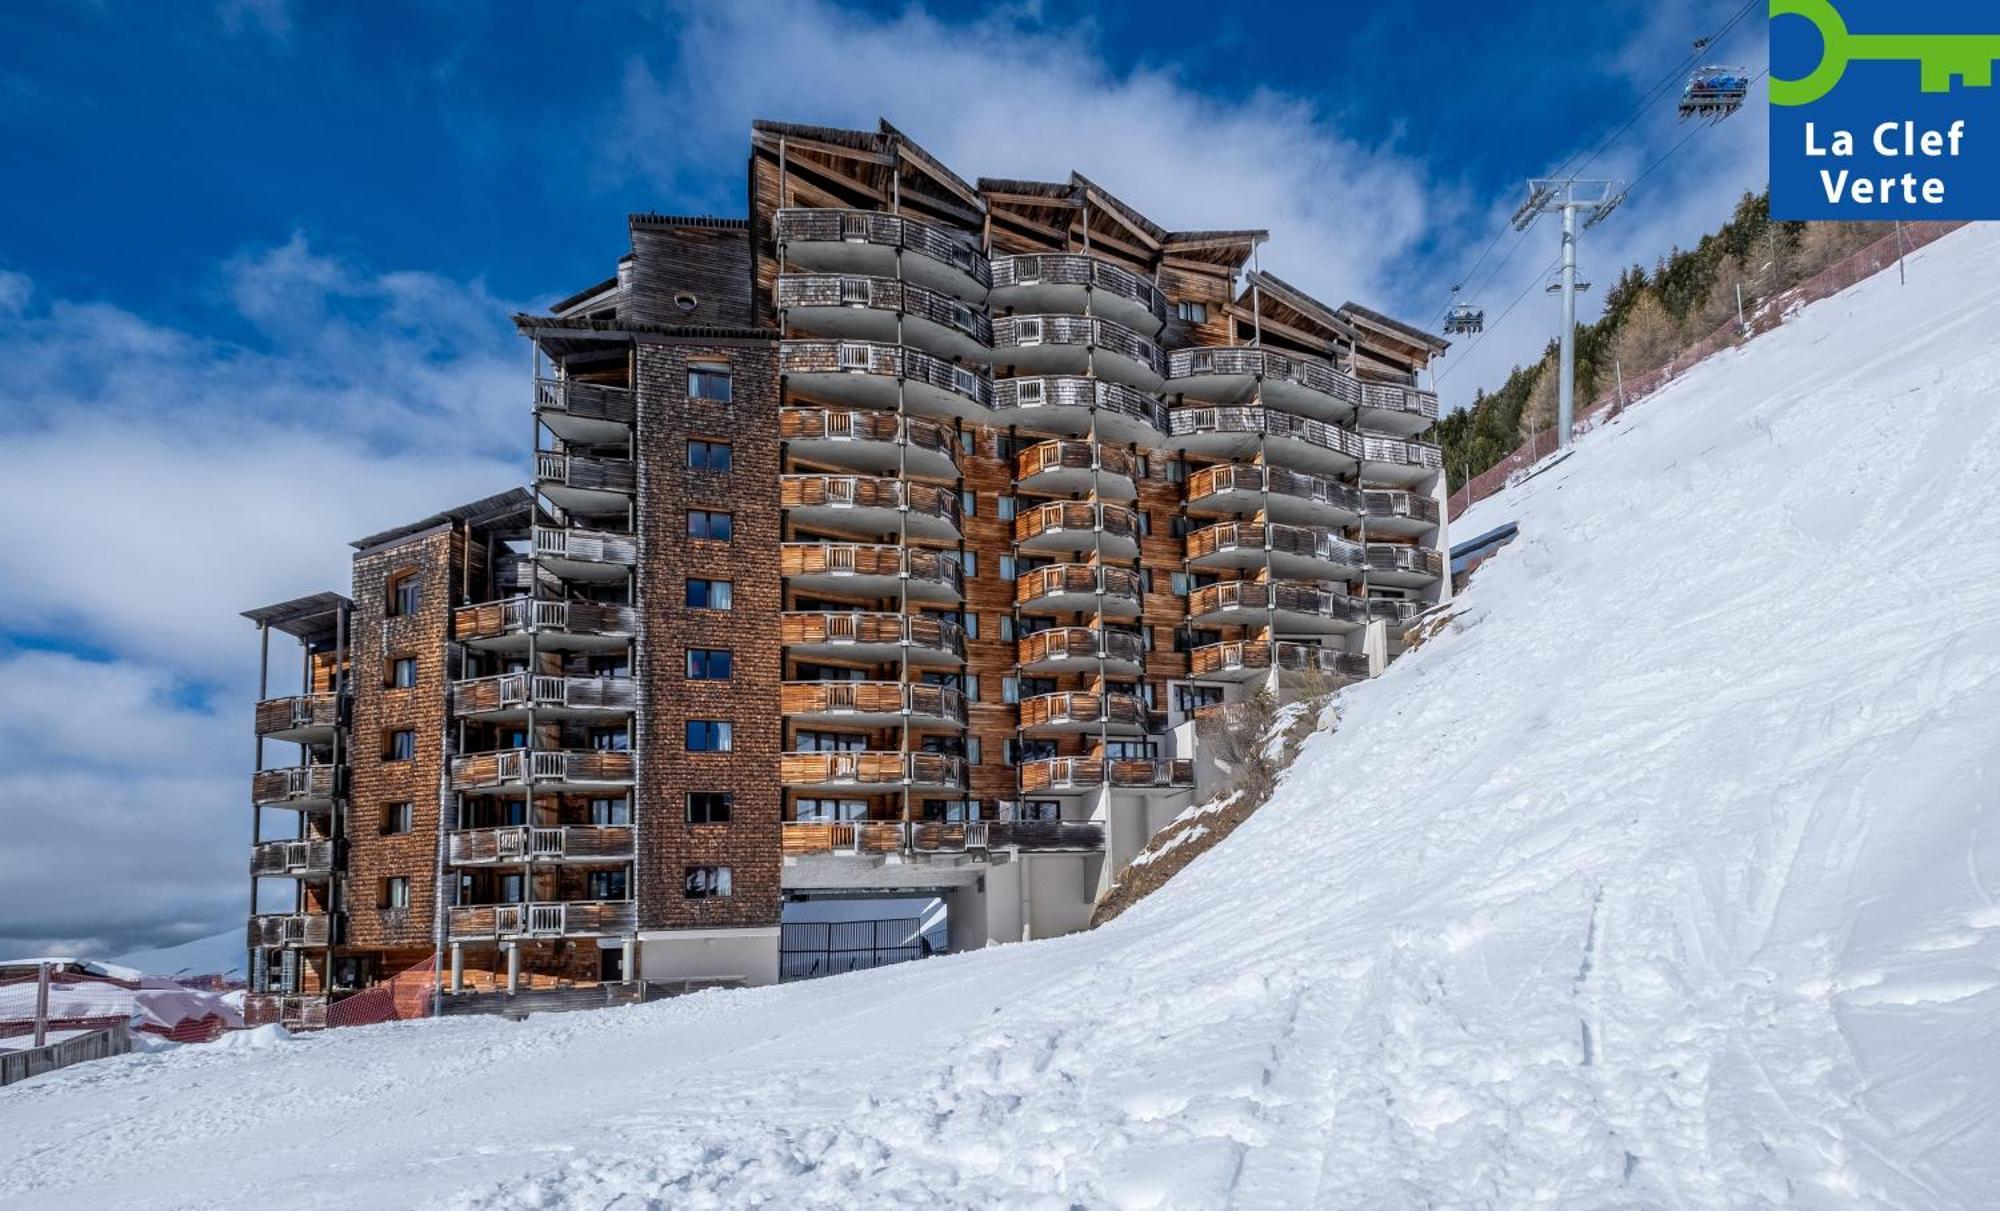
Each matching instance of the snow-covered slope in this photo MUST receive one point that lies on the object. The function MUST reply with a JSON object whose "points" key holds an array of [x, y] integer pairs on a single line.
{"points": [[216, 954], [1664, 877]]}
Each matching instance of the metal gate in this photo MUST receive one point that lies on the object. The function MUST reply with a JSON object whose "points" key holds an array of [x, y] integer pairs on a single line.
{"points": [[808, 949]]}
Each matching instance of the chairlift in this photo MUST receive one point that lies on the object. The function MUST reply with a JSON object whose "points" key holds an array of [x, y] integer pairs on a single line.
{"points": [[1713, 93], [1464, 319]]}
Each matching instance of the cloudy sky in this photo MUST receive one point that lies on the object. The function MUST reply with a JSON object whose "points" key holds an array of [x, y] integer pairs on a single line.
{"points": [[255, 266]]}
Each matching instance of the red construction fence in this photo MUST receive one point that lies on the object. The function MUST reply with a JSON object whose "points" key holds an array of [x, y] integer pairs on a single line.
{"points": [[408, 994]]}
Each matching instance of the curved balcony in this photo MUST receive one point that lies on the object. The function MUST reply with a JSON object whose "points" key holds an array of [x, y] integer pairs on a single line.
{"points": [[1068, 405], [294, 859], [1068, 282], [585, 413], [1297, 663], [872, 703], [869, 374], [870, 441], [1075, 526], [1238, 490], [1078, 344], [520, 845], [852, 307], [1395, 611], [858, 570], [509, 697], [270, 931], [551, 919], [879, 638], [1062, 776], [1240, 374], [1299, 552], [1056, 714], [585, 483], [865, 771], [849, 504], [1390, 408], [301, 718], [600, 556], [291, 1012], [1078, 588], [299, 788], [557, 626], [1075, 468], [1389, 460], [1045, 834], [1290, 606], [511, 772], [1079, 649], [1407, 567], [867, 241], [1400, 514], [1287, 440]]}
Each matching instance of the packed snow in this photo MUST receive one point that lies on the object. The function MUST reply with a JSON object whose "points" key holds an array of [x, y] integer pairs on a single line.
{"points": [[1661, 877]]}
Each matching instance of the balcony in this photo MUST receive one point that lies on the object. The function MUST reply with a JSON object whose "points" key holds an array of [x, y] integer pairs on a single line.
{"points": [[1078, 344], [868, 771], [1080, 649], [1059, 776], [299, 788], [1239, 490], [557, 626], [1045, 834], [1391, 408], [1109, 714], [878, 638], [509, 772], [1395, 611], [586, 484], [1297, 663], [1071, 282], [599, 556], [852, 307], [509, 697], [867, 241], [1400, 514], [1297, 552], [301, 718], [294, 859], [271, 931], [863, 837], [870, 374], [585, 413], [553, 919], [1286, 440], [1290, 606], [856, 570], [870, 441], [520, 845], [1076, 468], [852, 505], [1078, 588], [291, 1012], [1405, 567], [1240, 374], [1068, 405], [1389, 460], [872, 703], [1076, 526]]}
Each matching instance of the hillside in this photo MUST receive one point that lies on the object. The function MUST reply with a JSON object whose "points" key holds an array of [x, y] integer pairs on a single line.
{"points": [[1664, 876]]}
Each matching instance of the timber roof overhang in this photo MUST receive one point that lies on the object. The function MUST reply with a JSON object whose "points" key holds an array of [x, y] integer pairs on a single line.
{"points": [[586, 294], [1368, 318], [485, 510], [565, 336], [1227, 250], [313, 616], [882, 163], [1294, 308]]}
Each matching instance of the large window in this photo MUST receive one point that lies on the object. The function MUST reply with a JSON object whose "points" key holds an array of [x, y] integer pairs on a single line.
{"points": [[709, 807], [1192, 312], [710, 456], [405, 594], [607, 885], [828, 742], [708, 664], [819, 811], [605, 813], [396, 892], [706, 882], [710, 736], [708, 594], [398, 818], [711, 524], [403, 672], [399, 745], [709, 381]]}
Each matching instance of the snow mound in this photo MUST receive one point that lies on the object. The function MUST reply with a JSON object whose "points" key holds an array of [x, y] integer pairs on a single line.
{"points": [[1660, 877], [257, 1038]]}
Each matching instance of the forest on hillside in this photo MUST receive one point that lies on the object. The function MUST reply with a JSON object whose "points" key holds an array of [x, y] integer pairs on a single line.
{"points": [[1648, 317]]}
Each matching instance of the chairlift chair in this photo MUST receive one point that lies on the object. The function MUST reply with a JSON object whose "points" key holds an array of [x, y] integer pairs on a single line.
{"points": [[1713, 93], [1464, 319]]}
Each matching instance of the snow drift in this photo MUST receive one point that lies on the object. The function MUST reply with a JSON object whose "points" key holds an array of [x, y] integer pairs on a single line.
{"points": [[1662, 877]]}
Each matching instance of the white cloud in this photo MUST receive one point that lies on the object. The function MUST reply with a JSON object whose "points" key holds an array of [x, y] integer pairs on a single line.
{"points": [[15, 291]]}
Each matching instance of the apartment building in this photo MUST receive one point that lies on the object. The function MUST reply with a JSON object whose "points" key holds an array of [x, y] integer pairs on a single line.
{"points": [[894, 540]]}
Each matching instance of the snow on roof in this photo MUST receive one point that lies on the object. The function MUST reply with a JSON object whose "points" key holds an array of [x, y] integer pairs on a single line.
{"points": [[12, 968]]}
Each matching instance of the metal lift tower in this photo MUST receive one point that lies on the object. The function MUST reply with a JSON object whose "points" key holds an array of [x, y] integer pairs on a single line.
{"points": [[1597, 199]]}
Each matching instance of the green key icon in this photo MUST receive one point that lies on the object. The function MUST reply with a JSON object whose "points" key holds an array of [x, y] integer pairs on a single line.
{"points": [[1940, 56]]}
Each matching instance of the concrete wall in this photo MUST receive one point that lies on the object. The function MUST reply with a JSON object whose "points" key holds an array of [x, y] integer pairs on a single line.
{"points": [[710, 954]]}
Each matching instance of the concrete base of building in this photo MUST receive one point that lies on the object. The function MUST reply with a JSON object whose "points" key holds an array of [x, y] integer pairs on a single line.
{"points": [[748, 956]]}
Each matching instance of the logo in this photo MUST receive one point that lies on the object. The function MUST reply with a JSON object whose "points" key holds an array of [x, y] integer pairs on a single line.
{"points": [[1873, 120]]}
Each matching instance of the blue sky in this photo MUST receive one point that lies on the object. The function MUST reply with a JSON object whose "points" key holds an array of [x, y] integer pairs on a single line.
{"points": [[252, 305]]}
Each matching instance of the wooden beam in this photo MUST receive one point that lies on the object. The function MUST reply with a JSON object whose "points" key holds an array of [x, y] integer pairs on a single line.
{"points": [[1032, 199], [793, 143]]}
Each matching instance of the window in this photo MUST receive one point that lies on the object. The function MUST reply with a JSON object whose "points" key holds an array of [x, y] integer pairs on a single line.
{"points": [[396, 892], [403, 672], [969, 560], [1180, 584], [709, 807], [607, 885], [1010, 689], [971, 687], [400, 745], [708, 594], [610, 739], [1181, 526], [708, 664], [710, 524], [709, 381], [968, 502], [1007, 622], [828, 742], [397, 818], [405, 594], [972, 750], [710, 456], [1004, 508], [710, 736], [1176, 472], [606, 813], [1145, 470], [706, 882], [1145, 522], [817, 810], [1192, 312], [968, 441]]}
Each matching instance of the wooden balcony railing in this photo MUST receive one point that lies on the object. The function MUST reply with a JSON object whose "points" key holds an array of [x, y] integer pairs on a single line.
{"points": [[1306, 541], [518, 691], [1283, 481], [883, 836], [1075, 391], [801, 628], [860, 492], [1389, 557], [1014, 332], [856, 559], [523, 844], [304, 859], [1087, 773], [1266, 365], [294, 782], [871, 698], [810, 424], [291, 1012], [585, 401], [887, 361], [1080, 643], [1407, 453], [586, 472], [1410, 505], [871, 769], [1045, 834], [1076, 516], [298, 711], [1211, 659], [1076, 707], [1291, 596], [1077, 269], [1076, 578], [798, 290], [1195, 422], [549, 919], [586, 546], [830, 226], [513, 767], [271, 930], [1072, 456], [1393, 398], [518, 615]]}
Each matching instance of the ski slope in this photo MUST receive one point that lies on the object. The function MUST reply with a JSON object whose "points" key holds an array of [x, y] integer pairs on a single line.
{"points": [[1664, 877]]}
